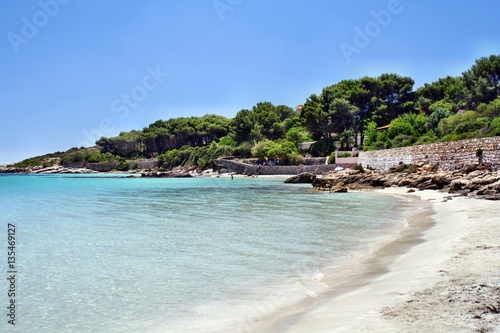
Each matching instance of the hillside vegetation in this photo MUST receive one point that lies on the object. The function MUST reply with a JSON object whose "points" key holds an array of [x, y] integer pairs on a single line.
{"points": [[345, 115]]}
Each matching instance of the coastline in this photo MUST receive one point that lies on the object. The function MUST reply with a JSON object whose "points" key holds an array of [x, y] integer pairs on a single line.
{"points": [[447, 280], [439, 276]]}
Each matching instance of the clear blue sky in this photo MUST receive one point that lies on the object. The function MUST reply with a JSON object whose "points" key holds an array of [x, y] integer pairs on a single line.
{"points": [[67, 66]]}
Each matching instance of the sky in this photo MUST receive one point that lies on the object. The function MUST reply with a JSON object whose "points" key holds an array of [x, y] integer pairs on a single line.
{"points": [[72, 71]]}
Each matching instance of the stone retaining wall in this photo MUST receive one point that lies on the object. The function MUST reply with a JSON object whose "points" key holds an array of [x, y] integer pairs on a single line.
{"points": [[452, 155], [248, 169], [105, 167]]}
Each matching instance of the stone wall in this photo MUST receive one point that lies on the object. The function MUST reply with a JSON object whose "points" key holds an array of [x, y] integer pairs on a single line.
{"points": [[105, 167], [146, 164], [315, 161], [347, 160], [452, 155], [248, 169]]}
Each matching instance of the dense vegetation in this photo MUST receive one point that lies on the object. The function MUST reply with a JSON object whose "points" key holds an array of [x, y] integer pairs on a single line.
{"points": [[266, 131], [345, 115], [73, 155], [452, 108]]}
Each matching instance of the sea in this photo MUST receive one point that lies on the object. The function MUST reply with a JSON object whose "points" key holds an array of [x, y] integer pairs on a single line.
{"points": [[111, 253]]}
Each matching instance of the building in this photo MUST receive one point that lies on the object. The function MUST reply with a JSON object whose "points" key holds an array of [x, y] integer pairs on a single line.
{"points": [[305, 145], [298, 108]]}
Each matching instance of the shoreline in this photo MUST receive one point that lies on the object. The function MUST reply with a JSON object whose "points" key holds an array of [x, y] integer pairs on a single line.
{"points": [[421, 287], [438, 277], [139, 173]]}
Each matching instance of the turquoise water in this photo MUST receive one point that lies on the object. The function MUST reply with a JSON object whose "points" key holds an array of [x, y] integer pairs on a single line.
{"points": [[109, 254]]}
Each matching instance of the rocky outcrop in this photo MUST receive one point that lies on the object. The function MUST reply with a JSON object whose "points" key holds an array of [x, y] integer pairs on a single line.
{"points": [[480, 183], [49, 170], [303, 178], [61, 170], [5, 169]]}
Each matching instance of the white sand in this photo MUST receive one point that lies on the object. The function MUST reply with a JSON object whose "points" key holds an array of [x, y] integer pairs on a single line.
{"points": [[448, 283]]}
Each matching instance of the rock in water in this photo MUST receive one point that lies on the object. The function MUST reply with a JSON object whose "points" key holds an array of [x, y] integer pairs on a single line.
{"points": [[339, 189], [303, 178]]}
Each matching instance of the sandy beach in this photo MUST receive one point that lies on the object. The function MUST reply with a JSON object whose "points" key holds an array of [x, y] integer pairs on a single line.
{"points": [[445, 279]]}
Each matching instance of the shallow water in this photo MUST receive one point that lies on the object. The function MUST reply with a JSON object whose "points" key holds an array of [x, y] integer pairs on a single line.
{"points": [[108, 254]]}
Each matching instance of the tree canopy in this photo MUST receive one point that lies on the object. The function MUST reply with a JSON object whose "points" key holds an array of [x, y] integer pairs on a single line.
{"points": [[367, 113], [343, 115]]}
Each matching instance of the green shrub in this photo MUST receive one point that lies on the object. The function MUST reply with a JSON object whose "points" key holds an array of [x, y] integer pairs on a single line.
{"points": [[48, 164], [491, 110], [298, 135], [403, 168], [90, 156], [262, 149], [346, 154], [371, 133], [331, 158], [410, 124], [122, 166], [323, 147], [382, 142], [471, 126], [169, 159], [456, 137], [244, 149], [495, 127], [135, 166], [194, 156], [403, 140], [30, 162], [358, 167], [227, 141], [296, 159], [462, 123], [272, 150], [442, 105], [427, 138], [282, 151], [435, 117]]}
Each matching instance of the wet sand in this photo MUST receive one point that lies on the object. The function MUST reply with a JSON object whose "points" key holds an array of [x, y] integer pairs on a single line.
{"points": [[439, 277]]}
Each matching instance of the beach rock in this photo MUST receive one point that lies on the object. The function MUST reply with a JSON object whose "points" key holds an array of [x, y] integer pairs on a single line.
{"points": [[428, 168], [378, 181], [428, 185], [339, 189], [414, 181], [468, 168], [456, 185], [480, 183], [405, 182], [490, 191], [322, 184], [303, 178]]}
